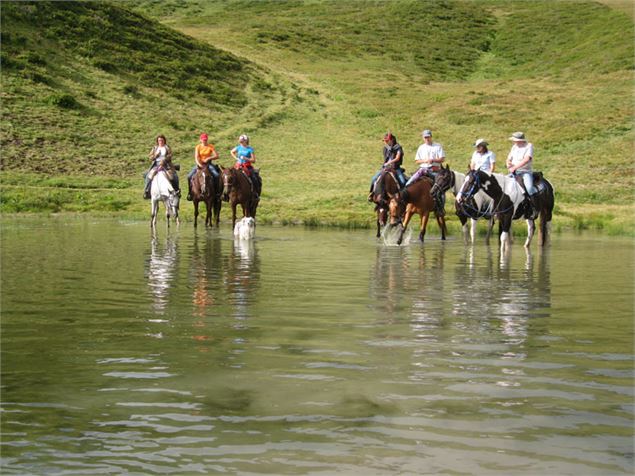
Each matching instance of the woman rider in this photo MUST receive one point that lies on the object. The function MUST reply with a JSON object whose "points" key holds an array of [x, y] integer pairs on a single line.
{"points": [[483, 158], [161, 152], [393, 157], [245, 158], [204, 153]]}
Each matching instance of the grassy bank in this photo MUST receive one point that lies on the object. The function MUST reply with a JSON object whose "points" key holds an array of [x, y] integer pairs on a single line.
{"points": [[316, 84]]}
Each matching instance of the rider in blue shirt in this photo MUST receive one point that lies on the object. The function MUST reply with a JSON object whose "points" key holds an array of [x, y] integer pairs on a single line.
{"points": [[245, 157]]}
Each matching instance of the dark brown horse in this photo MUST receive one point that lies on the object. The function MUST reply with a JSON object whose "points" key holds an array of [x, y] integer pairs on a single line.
{"points": [[415, 198], [384, 187], [207, 190], [240, 190]]}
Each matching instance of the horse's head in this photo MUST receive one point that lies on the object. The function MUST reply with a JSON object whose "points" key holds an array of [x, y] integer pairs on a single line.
{"points": [[471, 185], [396, 209], [228, 180], [443, 181]]}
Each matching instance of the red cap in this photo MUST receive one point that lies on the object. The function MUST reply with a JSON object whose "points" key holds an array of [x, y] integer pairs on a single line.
{"points": [[203, 136]]}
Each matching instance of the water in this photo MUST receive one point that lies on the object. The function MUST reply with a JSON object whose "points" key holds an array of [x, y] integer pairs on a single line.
{"points": [[311, 352]]}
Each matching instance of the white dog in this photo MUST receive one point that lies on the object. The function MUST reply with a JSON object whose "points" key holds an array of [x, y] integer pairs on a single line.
{"points": [[245, 229]]}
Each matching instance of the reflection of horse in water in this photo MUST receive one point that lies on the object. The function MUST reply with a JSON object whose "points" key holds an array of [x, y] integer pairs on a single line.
{"points": [[516, 295], [387, 280], [160, 271], [206, 276], [161, 190], [242, 275]]}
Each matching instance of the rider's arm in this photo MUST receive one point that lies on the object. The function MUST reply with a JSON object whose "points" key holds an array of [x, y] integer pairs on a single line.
{"points": [[214, 156], [252, 159], [522, 163], [233, 153], [153, 153], [197, 158]]}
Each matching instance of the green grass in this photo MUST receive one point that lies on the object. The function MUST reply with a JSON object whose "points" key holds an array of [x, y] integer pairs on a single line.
{"points": [[316, 84]]}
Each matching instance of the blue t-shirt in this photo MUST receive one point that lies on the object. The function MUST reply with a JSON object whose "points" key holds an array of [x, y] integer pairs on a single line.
{"points": [[246, 152]]}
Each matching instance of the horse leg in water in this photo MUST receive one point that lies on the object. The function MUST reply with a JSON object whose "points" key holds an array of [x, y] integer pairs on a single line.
{"points": [[208, 215], [490, 226], [531, 228], [168, 206], [424, 224], [505, 222], [404, 224], [195, 212], [441, 222], [154, 210], [234, 215], [217, 203]]}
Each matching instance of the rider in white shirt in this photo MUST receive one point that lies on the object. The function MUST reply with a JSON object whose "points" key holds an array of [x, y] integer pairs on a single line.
{"points": [[429, 156], [482, 158], [519, 163]]}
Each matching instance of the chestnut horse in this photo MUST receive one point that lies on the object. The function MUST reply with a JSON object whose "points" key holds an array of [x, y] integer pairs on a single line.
{"points": [[207, 190], [415, 198], [385, 186], [238, 190]]}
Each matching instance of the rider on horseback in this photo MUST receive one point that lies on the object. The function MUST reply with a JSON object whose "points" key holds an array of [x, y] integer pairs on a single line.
{"points": [[204, 153], [393, 158], [429, 156], [245, 157], [519, 164], [160, 153]]}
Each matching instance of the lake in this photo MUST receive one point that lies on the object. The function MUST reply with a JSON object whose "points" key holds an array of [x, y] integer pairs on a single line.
{"points": [[311, 351]]}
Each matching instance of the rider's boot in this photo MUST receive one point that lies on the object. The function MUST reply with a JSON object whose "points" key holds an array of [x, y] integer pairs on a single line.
{"points": [[146, 191]]}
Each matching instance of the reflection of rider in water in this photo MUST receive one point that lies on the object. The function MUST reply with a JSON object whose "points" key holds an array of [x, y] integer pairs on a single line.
{"points": [[161, 152]]}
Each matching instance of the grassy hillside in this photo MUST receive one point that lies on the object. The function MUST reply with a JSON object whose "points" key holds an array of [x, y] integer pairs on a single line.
{"points": [[327, 78]]}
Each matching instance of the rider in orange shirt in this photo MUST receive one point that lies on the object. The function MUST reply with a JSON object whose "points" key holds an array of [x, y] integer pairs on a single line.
{"points": [[204, 154]]}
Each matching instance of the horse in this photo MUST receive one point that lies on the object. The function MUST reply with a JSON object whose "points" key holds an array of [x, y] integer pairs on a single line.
{"points": [[385, 186], [415, 198], [207, 190], [510, 202], [238, 189], [162, 190], [478, 206]]}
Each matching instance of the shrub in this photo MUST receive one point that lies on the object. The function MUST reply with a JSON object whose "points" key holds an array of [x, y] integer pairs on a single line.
{"points": [[64, 101]]}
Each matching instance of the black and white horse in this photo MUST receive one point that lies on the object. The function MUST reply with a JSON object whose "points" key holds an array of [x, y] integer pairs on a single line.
{"points": [[480, 205], [510, 202]]}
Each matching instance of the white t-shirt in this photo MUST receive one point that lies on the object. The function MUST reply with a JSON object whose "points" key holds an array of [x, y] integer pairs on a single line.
{"points": [[484, 161], [518, 154], [427, 152], [162, 152]]}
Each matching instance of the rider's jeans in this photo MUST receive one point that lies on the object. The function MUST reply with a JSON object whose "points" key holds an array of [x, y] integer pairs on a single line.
{"points": [[528, 180]]}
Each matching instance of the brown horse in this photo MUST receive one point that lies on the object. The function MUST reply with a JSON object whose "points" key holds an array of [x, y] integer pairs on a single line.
{"points": [[416, 198], [384, 187], [239, 190], [207, 190]]}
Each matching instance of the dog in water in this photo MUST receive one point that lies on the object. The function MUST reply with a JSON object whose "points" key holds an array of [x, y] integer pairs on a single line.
{"points": [[245, 229]]}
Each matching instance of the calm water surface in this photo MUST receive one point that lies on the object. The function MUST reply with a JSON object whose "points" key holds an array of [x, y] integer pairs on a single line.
{"points": [[311, 352]]}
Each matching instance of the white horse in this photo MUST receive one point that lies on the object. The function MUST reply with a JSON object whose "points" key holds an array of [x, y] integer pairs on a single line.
{"points": [[481, 205], [162, 191]]}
